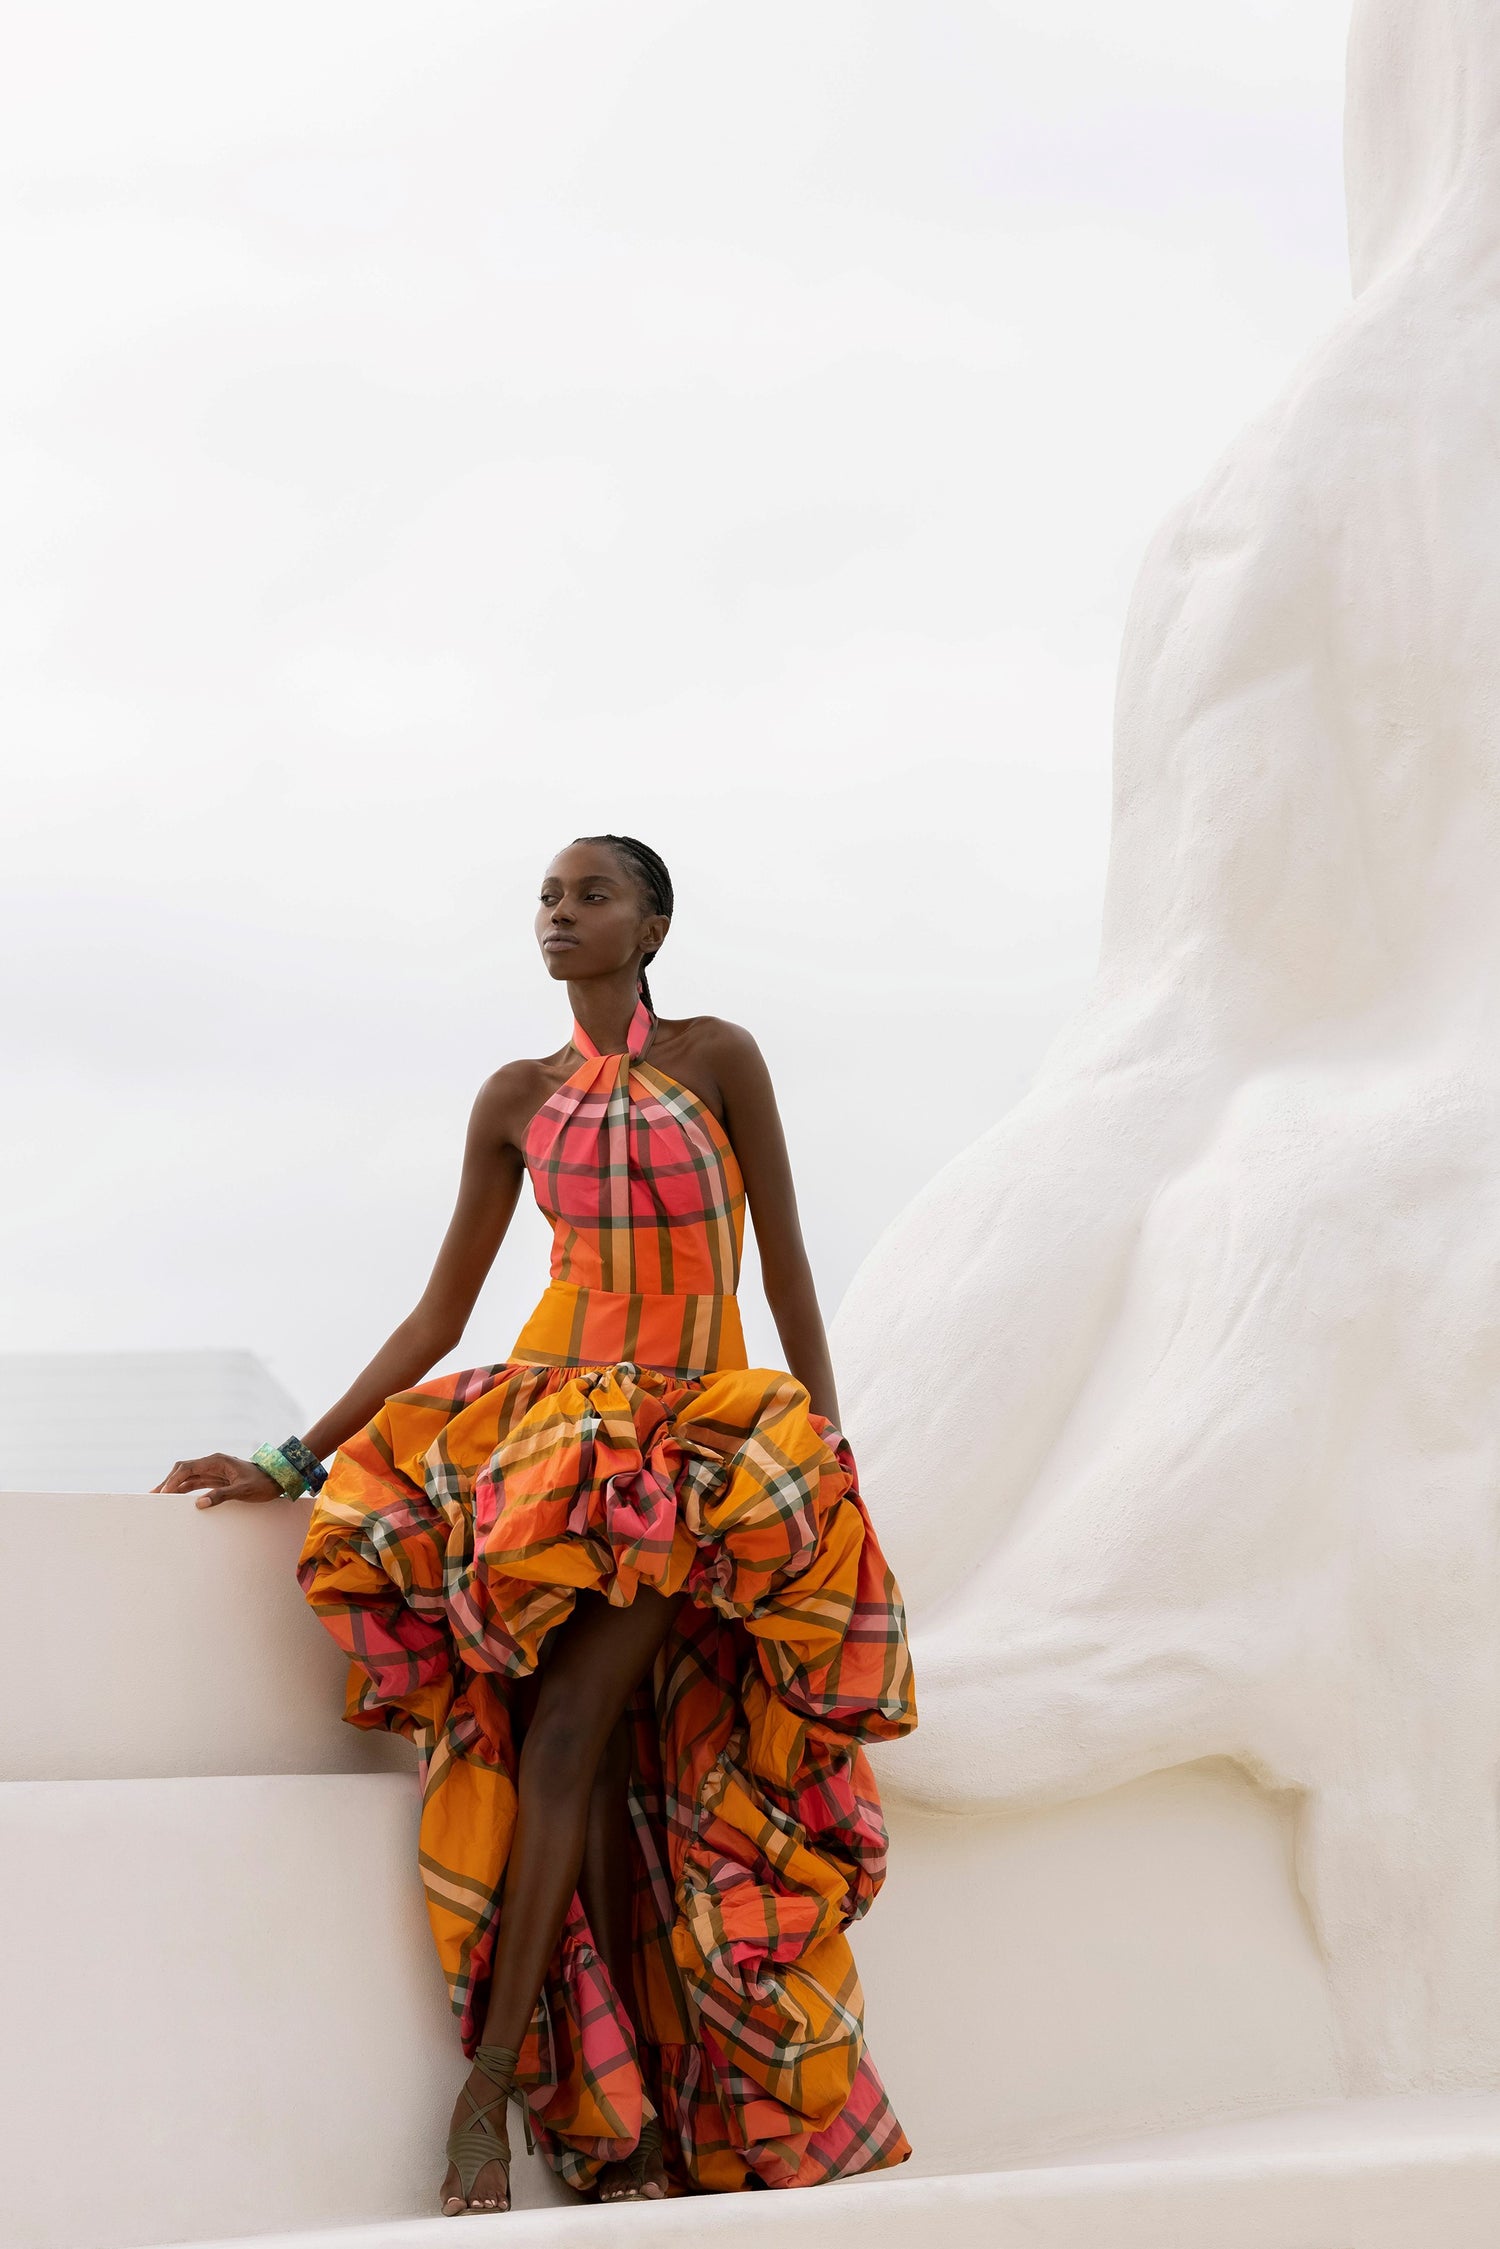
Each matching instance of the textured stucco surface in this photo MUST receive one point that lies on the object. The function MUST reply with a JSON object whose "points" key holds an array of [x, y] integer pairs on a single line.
{"points": [[1177, 1393]]}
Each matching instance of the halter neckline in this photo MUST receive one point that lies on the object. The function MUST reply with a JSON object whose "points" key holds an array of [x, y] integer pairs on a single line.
{"points": [[642, 1024]]}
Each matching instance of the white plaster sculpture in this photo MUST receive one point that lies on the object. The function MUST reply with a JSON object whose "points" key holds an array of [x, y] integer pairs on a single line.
{"points": [[1179, 1392]]}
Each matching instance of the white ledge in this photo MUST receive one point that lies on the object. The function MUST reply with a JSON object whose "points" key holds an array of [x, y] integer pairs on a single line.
{"points": [[177, 1643], [1364, 2175]]}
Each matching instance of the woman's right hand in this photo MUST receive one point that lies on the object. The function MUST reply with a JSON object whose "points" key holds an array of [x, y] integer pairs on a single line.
{"points": [[219, 1476]]}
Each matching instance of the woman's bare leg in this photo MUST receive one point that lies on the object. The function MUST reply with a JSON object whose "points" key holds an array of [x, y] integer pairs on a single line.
{"points": [[606, 1878], [596, 1661], [606, 1884]]}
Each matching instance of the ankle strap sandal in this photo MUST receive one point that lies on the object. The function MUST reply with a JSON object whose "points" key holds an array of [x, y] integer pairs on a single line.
{"points": [[479, 2139], [638, 2169]]}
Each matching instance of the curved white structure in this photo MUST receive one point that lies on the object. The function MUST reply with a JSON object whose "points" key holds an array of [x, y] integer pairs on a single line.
{"points": [[1203, 1339]]}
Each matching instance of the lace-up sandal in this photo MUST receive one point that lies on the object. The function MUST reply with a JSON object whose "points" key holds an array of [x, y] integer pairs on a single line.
{"points": [[479, 2140], [641, 2171]]}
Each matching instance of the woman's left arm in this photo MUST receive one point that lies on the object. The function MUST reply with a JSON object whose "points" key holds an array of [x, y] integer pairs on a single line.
{"points": [[753, 1123]]}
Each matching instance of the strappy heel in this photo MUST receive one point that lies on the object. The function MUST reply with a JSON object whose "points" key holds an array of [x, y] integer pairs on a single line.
{"points": [[479, 2140], [642, 2167]]}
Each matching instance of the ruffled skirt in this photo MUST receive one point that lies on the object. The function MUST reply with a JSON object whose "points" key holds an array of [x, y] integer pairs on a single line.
{"points": [[452, 1536]]}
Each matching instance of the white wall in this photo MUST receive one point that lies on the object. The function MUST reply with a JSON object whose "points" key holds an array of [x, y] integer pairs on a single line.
{"points": [[89, 1421]]}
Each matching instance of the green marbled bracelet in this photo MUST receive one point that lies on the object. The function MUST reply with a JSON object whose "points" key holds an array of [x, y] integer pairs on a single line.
{"points": [[280, 1470]]}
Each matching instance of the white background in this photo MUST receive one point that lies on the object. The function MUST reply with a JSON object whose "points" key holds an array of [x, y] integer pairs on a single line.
{"points": [[429, 433]]}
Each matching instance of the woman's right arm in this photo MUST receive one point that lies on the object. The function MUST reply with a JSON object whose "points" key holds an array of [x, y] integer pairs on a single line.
{"points": [[487, 1193]]}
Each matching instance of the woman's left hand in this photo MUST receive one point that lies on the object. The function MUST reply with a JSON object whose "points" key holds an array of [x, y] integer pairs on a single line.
{"points": [[220, 1476]]}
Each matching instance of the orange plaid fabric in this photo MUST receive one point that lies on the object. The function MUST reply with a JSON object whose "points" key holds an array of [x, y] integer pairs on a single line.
{"points": [[457, 1531], [648, 1219]]}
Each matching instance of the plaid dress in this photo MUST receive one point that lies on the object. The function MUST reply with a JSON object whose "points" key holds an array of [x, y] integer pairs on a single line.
{"points": [[627, 1443]]}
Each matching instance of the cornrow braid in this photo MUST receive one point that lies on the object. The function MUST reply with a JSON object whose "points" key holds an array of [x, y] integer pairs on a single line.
{"points": [[650, 871]]}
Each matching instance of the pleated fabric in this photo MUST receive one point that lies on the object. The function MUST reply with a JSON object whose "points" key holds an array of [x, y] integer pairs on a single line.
{"points": [[459, 1529]]}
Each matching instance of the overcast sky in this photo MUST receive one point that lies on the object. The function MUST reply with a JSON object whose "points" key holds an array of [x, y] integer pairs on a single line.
{"points": [[429, 433]]}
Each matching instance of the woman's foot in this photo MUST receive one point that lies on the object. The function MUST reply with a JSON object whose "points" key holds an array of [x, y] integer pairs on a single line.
{"points": [[478, 2174], [642, 2177]]}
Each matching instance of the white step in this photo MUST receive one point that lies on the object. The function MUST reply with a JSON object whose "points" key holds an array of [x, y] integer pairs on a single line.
{"points": [[221, 2010], [245, 1961], [1401, 2174], [145, 1636], [1100, 1969]]}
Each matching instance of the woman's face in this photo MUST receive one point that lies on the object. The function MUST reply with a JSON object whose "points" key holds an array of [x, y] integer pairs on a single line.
{"points": [[590, 921]]}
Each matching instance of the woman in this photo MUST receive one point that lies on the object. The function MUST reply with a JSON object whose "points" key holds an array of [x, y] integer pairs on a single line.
{"points": [[622, 1593]]}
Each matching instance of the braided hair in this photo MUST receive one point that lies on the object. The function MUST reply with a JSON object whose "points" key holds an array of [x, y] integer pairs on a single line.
{"points": [[650, 872]]}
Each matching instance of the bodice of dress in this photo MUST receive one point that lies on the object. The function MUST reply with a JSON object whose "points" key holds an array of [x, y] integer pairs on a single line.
{"points": [[647, 1208]]}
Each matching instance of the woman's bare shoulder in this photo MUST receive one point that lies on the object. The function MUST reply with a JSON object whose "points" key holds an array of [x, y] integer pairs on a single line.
{"points": [[719, 1060], [712, 1036], [511, 1095]]}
